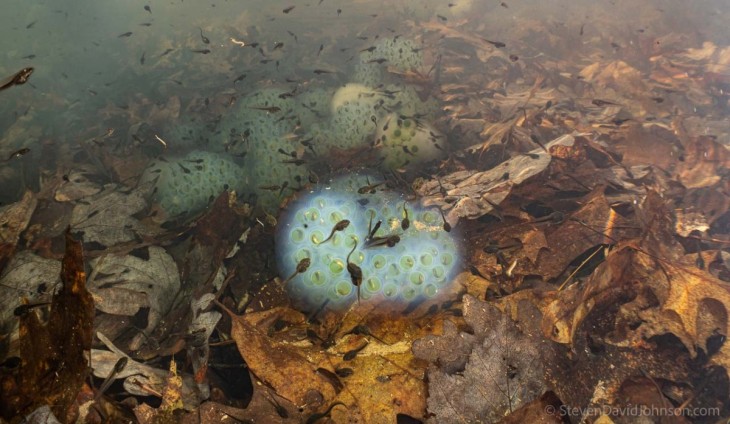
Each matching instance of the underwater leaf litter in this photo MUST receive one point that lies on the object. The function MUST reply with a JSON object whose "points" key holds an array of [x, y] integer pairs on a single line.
{"points": [[583, 168]]}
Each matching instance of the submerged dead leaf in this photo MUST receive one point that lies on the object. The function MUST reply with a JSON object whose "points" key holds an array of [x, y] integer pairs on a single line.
{"points": [[261, 409], [77, 186], [380, 379], [704, 161], [476, 193], [123, 284], [693, 304], [170, 410], [141, 379], [169, 112], [642, 291], [172, 394], [544, 410], [106, 218], [54, 364], [386, 381], [617, 74], [503, 370], [288, 369], [28, 277], [450, 350], [13, 221]]}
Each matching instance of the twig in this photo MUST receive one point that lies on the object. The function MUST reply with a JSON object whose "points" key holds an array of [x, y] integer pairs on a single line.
{"points": [[601, 247]]}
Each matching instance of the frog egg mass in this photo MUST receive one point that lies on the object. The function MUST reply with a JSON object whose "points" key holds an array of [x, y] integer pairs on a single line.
{"points": [[402, 261]]}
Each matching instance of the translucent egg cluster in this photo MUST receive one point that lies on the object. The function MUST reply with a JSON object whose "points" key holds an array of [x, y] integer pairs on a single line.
{"points": [[186, 185], [419, 265]]}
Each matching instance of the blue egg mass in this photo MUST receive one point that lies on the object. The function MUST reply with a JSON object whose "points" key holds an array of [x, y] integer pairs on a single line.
{"points": [[420, 265]]}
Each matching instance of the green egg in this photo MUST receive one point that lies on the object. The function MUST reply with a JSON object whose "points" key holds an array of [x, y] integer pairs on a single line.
{"points": [[343, 288], [320, 202], [428, 217], [396, 133], [347, 208], [426, 259], [393, 270], [430, 290], [407, 123], [299, 282], [311, 214], [447, 259], [357, 258], [336, 217], [351, 240], [379, 262], [336, 266], [390, 290], [373, 284], [317, 237], [417, 278], [327, 259], [407, 262], [318, 278], [409, 293], [439, 273], [297, 235], [414, 148], [336, 239], [301, 254], [333, 296]]}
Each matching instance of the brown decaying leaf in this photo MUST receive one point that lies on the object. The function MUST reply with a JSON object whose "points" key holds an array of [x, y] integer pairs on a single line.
{"points": [[106, 218], [260, 410], [13, 221], [208, 245], [503, 370], [199, 331], [170, 409], [300, 371], [704, 161], [141, 379], [548, 248], [477, 192], [650, 292], [286, 368], [543, 410], [616, 74], [201, 266], [387, 381], [24, 277], [77, 185], [124, 284], [450, 350], [54, 364], [172, 394], [708, 202]]}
